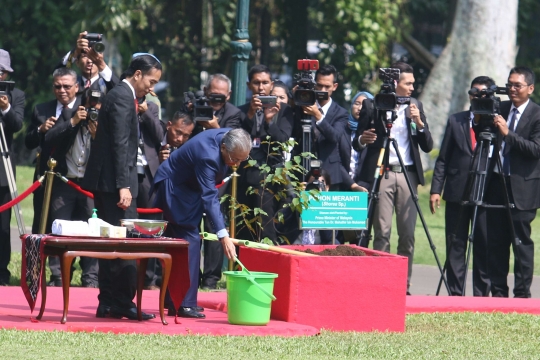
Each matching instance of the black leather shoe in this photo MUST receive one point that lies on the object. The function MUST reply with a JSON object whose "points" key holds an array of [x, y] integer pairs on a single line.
{"points": [[103, 311], [130, 314], [190, 312], [55, 282], [172, 312]]}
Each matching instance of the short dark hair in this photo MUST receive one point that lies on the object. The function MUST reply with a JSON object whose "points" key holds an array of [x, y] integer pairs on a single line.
{"points": [[326, 70], [281, 84], [403, 67], [483, 80], [182, 116], [257, 69], [526, 72], [144, 63]]}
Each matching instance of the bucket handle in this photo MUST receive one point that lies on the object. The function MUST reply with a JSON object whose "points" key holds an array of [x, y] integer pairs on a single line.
{"points": [[271, 296]]}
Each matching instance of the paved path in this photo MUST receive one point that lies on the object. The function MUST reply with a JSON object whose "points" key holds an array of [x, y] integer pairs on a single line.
{"points": [[425, 278]]}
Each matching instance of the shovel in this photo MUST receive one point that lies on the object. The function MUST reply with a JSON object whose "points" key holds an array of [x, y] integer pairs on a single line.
{"points": [[252, 280]]}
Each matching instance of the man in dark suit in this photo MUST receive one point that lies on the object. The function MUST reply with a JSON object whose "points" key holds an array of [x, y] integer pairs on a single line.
{"points": [[95, 73], [185, 187], [11, 119], [518, 138], [410, 129], [275, 122], [451, 173], [111, 174]]}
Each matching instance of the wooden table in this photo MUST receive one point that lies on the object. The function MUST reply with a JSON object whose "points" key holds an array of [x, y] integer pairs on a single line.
{"points": [[68, 248]]}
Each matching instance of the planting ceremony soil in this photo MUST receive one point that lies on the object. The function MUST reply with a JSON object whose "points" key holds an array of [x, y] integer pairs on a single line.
{"points": [[340, 250]]}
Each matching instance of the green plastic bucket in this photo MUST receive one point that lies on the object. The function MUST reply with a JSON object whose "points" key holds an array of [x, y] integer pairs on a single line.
{"points": [[249, 297]]}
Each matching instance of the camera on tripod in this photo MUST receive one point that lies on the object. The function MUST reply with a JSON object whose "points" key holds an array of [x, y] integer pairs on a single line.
{"points": [[386, 99], [95, 42], [6, 87], [304, 94], [485, 104], [201, 110]]}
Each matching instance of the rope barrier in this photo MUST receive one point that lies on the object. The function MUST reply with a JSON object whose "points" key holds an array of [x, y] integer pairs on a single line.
{"points": [[19, 198]]}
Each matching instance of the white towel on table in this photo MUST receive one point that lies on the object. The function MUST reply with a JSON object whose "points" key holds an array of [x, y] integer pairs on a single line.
{"points": [[72, 228]]}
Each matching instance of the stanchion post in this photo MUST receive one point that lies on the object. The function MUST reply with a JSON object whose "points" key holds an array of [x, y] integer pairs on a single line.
{"points": [[232, 217], [47, 197]]}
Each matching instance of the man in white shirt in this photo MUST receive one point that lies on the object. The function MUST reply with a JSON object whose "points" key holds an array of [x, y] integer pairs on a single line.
{"points": [[410, 131]]}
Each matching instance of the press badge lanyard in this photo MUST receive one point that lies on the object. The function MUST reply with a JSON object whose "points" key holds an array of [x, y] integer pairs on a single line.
{"points": [[259, 118]]}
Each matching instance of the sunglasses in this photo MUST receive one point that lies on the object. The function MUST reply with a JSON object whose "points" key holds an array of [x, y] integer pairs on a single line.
{"points": [[516, 86], [66, 87]]}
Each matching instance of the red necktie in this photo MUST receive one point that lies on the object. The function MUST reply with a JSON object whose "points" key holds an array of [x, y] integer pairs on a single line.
{"points": [[473, 138], [136, 106]]}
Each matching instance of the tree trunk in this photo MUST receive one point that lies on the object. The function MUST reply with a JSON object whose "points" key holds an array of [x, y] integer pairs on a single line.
{"points": [[482, 42]]}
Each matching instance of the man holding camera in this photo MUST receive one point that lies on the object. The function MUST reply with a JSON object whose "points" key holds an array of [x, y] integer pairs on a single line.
{"points": [[11, 119], [410, 130], [95, 72], [71, 138], [518, 139], [179, 130], [451, 173], [271, 119]]}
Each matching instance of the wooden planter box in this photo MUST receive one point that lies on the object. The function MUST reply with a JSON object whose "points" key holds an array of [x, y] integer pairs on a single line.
{"points": [[339, 293]]}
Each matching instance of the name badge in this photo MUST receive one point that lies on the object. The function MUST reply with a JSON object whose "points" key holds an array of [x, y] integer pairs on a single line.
{"points": [[257, 143]]}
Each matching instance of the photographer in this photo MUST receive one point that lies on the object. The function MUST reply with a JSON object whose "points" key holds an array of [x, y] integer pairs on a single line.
{"points": [[411, 131], [95, 72], [71, 138], [179, 130], [451, 172], [274, 121], [11, 117], [518, 139]]}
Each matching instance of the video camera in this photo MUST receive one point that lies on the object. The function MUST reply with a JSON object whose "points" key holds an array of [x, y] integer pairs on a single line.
{"points": [[486, 104], [95, 42], [6, 87], [202, 111], [304, 94], [386, 99]]}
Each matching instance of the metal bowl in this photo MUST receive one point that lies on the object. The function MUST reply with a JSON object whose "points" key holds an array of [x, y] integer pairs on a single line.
{"points": [[153, 228]]}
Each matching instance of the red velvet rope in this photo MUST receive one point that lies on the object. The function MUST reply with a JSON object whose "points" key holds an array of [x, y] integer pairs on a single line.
{"points": [[19, 198], [90, 195]]}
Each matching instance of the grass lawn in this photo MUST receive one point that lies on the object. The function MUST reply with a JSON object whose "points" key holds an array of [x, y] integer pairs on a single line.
{"points": [[435, 336]]}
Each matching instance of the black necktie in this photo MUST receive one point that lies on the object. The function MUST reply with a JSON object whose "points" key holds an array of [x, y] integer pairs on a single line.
{"points": [[506, 152]]}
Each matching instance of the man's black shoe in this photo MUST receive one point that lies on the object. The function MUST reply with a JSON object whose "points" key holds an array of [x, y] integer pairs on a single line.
{"points": [[103, 311], [130, 313], [55, 282], [172, 312], [190, 312], [90, 284]]}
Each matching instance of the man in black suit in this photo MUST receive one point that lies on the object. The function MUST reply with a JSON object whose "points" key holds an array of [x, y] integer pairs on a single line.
{"points": [[70, 138], [275, 122], [11, 119], [111, 174], [95, 73], [451, 173], [178, 131], [410, 129], [518, 138]]}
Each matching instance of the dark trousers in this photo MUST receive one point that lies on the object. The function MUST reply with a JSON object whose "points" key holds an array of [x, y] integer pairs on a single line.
{"points": [[69, 204], [192, 236], [264, 200], [5, 241], [153, 269], [118, 277], [458, 219], [500, 239]]}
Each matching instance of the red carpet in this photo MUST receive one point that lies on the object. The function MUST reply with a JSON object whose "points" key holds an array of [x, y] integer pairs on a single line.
{"points": [[15, 314]]}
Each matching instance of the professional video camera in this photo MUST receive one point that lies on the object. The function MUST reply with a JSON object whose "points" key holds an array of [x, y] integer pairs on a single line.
{"points": [[304, 94], [201, 110], [486, 104], [6, 87], [95, 42], [386, 99]]}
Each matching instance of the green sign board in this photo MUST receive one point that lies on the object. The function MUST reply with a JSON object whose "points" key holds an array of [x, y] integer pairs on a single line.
{"points": [[336, 210]]}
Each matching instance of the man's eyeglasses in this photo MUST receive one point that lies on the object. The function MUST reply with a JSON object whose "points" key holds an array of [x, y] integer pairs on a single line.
{"points": [[516, 86], [66, 87], [236, 161]]}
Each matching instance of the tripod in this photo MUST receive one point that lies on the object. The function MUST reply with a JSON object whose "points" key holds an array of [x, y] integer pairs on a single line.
{"points": [[306, 141], [4, 150], [383, 168], [474, 196]]}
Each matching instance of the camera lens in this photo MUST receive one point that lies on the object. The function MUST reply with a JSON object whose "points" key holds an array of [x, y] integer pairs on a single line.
{"points": [[98, 47]]}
